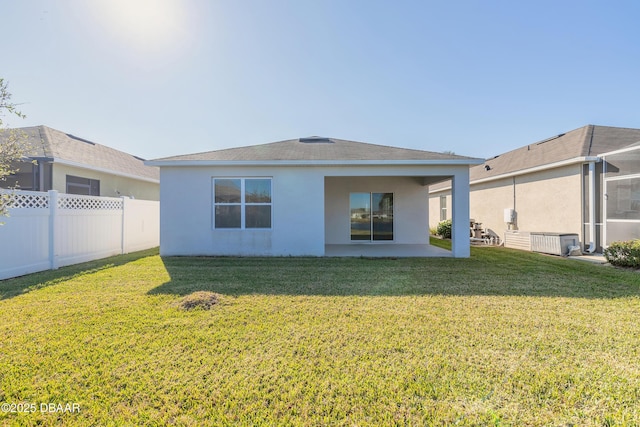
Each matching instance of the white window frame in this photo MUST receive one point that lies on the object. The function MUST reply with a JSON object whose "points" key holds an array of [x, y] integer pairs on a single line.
{"points": [[243, 204], [443, 208]]}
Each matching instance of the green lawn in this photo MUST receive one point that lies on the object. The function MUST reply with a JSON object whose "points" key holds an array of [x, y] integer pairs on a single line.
{"points": [[502, 338]]}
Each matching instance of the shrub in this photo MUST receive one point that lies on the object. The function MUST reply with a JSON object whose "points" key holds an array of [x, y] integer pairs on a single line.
{"points": [[624, 254], [444, 229]]}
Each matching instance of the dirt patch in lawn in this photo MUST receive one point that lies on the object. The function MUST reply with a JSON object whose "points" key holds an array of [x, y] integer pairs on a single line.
{"points": [[202, 300]]}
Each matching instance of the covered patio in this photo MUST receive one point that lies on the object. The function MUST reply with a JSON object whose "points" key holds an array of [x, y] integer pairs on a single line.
{"points": [[384, 212]]}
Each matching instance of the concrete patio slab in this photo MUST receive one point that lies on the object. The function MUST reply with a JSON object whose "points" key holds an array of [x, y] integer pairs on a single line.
{"points": [[386, 250]]}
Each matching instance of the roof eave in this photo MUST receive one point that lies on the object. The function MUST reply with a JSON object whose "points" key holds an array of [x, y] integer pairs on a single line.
{"points": [[575, 160], [581, 159], [632, 147], [105, 170]]}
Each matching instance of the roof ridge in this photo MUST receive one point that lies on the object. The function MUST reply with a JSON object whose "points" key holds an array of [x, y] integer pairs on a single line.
{"points": [[45, 140], [590, 133]]}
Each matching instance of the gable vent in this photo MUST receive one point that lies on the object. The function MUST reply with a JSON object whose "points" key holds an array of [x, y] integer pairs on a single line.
{"points": [[316, 139]]}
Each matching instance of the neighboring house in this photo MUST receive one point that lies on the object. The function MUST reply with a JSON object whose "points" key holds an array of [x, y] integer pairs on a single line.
{"points": [[557, 185], [74, 165], [309, 196]]}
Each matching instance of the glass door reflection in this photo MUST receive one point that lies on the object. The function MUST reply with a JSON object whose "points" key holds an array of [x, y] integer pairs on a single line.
{"points": [[382, 216], [360, 216], [371, 216]]}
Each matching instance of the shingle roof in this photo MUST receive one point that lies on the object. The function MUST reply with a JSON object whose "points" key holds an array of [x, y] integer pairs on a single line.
{"points": [[45, 142], [315, 149], [590, 140]]}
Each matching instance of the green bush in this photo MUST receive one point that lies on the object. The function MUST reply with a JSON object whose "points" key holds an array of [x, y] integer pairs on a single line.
{"points": [[624, 254], [444, 229]]}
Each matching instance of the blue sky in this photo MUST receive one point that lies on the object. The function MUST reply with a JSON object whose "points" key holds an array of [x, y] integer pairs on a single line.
{"points": [[162, 77]]}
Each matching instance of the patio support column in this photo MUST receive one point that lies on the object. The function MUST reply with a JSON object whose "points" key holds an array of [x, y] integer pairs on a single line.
{"points": [[460, 243]]}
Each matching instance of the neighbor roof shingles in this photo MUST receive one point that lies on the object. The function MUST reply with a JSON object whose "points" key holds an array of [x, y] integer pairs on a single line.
{"points": [[586, 141], [45, 142]]}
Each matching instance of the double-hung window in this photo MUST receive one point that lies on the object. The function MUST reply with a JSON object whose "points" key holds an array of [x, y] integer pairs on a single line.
{"points": [[242, 203], [443, 208]]}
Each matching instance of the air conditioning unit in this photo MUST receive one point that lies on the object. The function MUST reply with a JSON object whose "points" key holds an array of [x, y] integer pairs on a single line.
{"points": [[553, 243]]}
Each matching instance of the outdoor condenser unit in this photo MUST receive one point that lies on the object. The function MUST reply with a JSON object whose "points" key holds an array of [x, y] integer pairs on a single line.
{"points": [[553, 243]]}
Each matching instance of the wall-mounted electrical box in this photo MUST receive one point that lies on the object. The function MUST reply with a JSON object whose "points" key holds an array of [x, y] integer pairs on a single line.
{"points": [[509, 216]]}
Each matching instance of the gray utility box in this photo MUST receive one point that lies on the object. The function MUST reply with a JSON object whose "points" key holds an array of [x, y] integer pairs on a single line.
{"points": [[553, 243]]}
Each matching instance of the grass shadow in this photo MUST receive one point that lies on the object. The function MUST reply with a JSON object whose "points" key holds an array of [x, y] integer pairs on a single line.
{"points": [[489, 271], [10, 288]]}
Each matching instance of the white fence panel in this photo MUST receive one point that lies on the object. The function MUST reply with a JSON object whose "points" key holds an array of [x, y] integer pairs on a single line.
{"points": [[50, 230], [24, 237], [141, 225], [87, 228]]}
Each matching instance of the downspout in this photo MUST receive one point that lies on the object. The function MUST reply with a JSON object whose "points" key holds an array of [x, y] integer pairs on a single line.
{"points": [[592, 207]]}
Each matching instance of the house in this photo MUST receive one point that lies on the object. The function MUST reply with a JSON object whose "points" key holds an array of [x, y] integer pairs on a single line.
{"points": [[563, 184], [74, 165], [310, 196]]}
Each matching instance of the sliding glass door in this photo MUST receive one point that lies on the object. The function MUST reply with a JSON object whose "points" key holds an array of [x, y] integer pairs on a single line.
{"points": [[371, 216], [382, 216]]}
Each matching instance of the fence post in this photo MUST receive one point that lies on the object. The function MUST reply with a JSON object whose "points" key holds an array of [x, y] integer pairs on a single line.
{"points": [[123, 236], [53, 213]]}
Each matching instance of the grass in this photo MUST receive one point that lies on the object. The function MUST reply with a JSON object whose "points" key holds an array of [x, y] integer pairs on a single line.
{"points": [[502, 338]]}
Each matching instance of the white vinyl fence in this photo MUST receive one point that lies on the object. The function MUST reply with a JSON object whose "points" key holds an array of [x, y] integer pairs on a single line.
{"points": [[50, 230]]}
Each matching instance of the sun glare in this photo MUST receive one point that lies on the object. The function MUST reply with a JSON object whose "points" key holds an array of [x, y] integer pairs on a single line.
{"points": [[148, 26]]}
